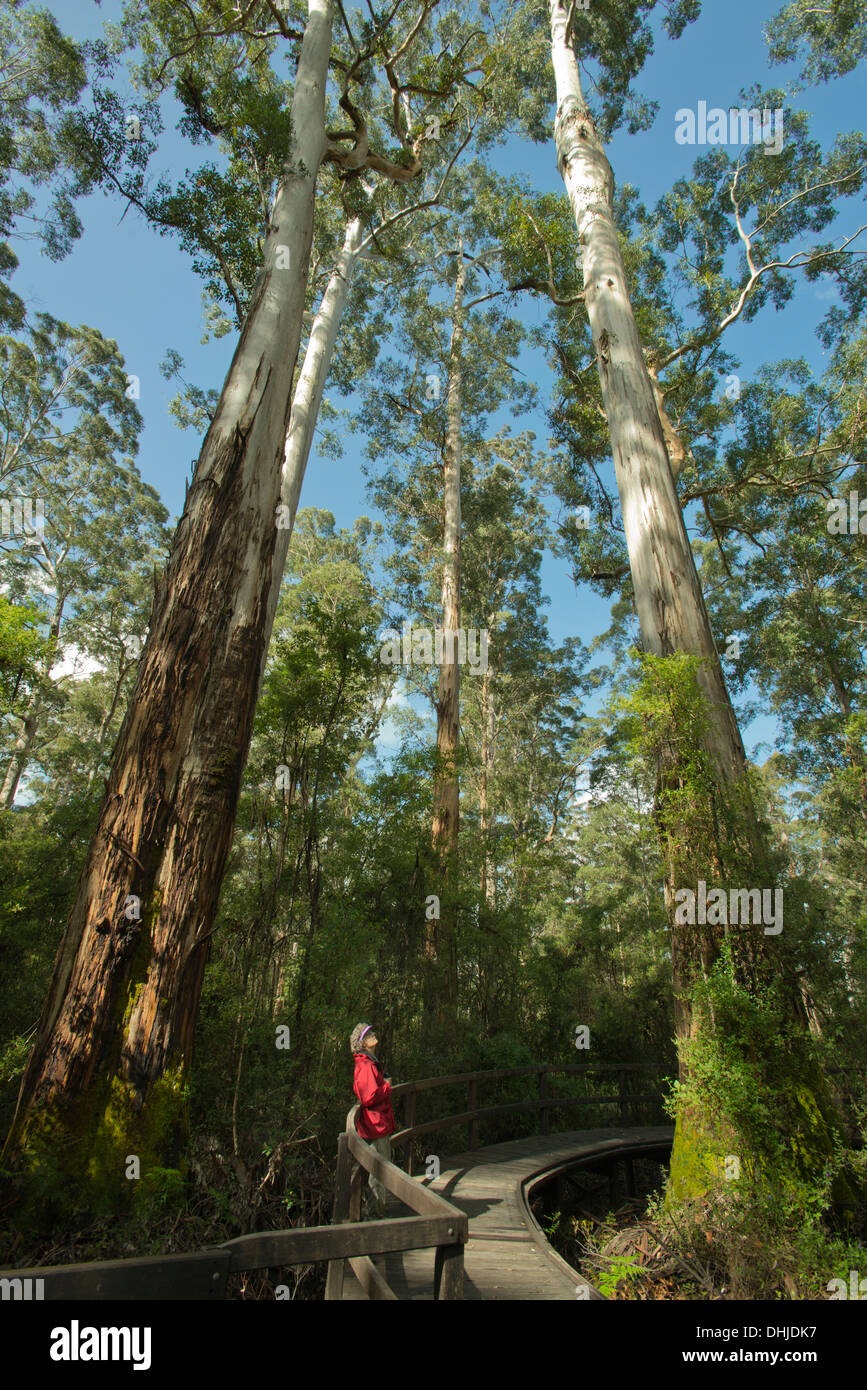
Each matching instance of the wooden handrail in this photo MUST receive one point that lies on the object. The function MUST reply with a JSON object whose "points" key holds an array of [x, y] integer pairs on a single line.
{"points": [[545, 1102], [203, 1273], [431, 1082], [448, 1271], [429, 1207], [421, 1200], [514, 1107]]}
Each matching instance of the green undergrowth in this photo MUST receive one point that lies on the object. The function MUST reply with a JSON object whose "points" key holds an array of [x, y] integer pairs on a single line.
{"points": [[743, 1239], [752, 1238]]}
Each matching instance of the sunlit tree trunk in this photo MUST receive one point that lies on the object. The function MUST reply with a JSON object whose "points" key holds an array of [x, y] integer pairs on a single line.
{"points": [[21, 751], [307, 398], [668, 597], [105, 725], [489, 882]]}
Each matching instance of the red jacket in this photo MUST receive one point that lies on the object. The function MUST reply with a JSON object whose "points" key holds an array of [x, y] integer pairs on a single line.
{"points": [[375, 1119]]}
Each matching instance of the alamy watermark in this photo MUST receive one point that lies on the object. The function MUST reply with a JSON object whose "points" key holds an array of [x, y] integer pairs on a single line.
{"points": [[77, 1343], [857, 1286], [17, 517], [422, 646], [737, 126], [738, 906], [841, 523], [26, 1290]]}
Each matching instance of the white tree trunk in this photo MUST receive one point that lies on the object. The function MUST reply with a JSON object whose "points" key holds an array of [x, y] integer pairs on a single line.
{"points": [[486, 767], [20, 752], [668, 597], [30, 718], [307, 400]]}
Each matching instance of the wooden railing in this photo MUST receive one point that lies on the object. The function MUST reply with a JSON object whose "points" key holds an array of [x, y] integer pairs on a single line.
{"points": [[436, 1223], [545, 1102]]}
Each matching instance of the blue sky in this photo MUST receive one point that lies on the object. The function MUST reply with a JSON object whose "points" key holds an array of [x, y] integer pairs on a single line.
{"points": [[138, 287]]}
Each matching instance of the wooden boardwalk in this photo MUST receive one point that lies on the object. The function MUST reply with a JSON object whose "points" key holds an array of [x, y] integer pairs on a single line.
{"points": [[506, 1256]]}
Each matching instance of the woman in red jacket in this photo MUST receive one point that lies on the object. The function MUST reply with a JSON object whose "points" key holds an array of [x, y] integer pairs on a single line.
{"points": [[375, 1120]]}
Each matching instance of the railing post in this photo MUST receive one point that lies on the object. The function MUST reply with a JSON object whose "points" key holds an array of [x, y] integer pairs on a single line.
{"points": [[355, 1192], [410, 1124], [473, 1104], [621, 1091], [334, 1281], [543, 1096], [449, 1272]]}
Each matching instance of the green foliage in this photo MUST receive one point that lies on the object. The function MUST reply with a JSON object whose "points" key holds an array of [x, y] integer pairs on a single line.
{"points": [[757, 1068], [157, 1191], [22, 652], [828, 40], [41, 849], [43, 75], [619, 1271]]}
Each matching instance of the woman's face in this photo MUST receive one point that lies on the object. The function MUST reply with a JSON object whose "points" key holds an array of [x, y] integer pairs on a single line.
{"points": [[370, 1041]]}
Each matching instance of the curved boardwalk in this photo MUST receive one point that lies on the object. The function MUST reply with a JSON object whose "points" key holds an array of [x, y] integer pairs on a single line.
{"points": [[506, 1255]]}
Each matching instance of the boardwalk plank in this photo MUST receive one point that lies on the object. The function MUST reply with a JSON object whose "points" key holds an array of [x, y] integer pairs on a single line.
{"points": [[506, 1257]]}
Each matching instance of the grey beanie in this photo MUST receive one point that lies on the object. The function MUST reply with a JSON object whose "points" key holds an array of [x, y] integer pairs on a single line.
{"points": [[356, 1035]]}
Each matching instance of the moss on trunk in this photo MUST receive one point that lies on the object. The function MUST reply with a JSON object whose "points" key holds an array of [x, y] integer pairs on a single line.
{"points": [[74, 1158], [76, 1161]]}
